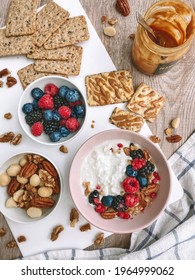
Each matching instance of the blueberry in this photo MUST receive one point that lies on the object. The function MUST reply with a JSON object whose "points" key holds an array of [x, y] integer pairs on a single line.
{"points": [[130, 172], [79, 111], [63, 90], [48, 115], [107, 200], [143, 181], [27, 108], [92, 195], [35, 104], [36, 93], [56, 116], [72, 95], [55, 136], [64, 131]]}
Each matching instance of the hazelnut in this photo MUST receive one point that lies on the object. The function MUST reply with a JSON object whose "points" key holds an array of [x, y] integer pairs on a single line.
{"points": [[13, 170], [4, 179], [35, 180]]}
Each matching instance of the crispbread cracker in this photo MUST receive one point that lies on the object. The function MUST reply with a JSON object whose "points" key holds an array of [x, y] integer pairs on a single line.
{"points": [[69, 67], [126, 120], [15, 45], [48, 20], [66, 53], [21, 18], [146, 102], [73, 31], [27, 75], [109, 88]]}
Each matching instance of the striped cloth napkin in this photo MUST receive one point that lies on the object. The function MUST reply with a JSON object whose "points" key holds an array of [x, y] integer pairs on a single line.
{"points": [[171, 237]]}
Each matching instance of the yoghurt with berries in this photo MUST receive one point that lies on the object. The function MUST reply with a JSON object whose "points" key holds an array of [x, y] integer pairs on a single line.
{"points": [[120, 179]]}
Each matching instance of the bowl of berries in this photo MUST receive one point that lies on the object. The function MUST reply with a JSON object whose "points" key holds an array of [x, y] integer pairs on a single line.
{"points": [[52, 110], [123, 182]]}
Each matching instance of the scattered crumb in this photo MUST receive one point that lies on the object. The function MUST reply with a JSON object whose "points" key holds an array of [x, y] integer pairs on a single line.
{"points": [[63, 149], [154, 139], [99, 240], [2, 232], [21, 238], [8, 116], [11, 245]]}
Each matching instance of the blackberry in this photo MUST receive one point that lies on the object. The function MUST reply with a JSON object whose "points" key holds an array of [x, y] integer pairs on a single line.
{"points": [[33, 117], [58, 101], [147, 169], [50, 126], [136, 154], [92, 196], [118, 203]]}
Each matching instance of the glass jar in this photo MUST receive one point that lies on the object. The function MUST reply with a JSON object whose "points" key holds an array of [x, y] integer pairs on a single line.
{"points": [[174, 25]]}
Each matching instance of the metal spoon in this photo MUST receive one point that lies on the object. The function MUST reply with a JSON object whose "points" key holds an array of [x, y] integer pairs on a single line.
{"points": [[143, 23]]}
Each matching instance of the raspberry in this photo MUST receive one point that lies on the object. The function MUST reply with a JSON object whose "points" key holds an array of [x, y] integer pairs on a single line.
{"points": [[156, 176], [131, 199], [120, 145], [51, 89], [72, 124], [100, 208], [153, 195], [37, 129], [73, 104], [63, 122], [138, 163], [130, 185], [64, 112], [46, 102], [123, 215]]}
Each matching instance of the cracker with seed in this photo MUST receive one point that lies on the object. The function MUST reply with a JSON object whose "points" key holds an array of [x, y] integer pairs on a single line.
{"points": [[69, 67], [73, 31], [146, 102], [48, 20], [109, 88], [27, 75], [21, 18], [126, 120], [66, 53], [15, 45]]}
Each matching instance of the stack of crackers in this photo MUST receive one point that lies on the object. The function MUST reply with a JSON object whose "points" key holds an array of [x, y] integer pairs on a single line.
{"points": [[117, 86], [48, 37]]}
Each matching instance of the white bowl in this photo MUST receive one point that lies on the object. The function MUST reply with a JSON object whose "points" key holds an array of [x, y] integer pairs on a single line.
{"points": [[27, 98], [117, 225], [19, 215]]}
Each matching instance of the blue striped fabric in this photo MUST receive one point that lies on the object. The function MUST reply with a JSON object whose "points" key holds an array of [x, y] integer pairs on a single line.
{"points": [[172, 236]]}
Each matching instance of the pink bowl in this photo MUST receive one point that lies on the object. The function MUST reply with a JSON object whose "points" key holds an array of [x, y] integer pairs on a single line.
{"points": [[117, 225]]}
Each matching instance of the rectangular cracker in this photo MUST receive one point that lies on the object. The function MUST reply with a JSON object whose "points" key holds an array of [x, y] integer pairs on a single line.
{"points": [[15, 45], [66, 53], [48, 20], [73, 31], [109, 88], [66, 67], [126, 120], [146, 102], [21, 18], [27, 75]]}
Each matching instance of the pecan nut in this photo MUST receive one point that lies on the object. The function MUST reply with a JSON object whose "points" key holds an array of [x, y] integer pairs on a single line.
{"points": [[109, 214], [16, 140], [4, 72], [85, 227], [174, 138], [56, 231], [123, 7], [13, 186], [42, 202], [74, 217], [28, 170], [49, 168], [6, 137], [11, 81]]}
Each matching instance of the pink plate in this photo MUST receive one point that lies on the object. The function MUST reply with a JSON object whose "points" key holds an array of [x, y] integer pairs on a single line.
{"points": [[117, 225]]}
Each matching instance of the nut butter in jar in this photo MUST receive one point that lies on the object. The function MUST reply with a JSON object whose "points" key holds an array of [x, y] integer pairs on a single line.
{"points": [[173, 23]]}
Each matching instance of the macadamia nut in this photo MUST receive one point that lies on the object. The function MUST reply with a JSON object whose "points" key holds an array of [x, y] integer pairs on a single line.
{"points": [[34, 212], [4, 179], [22, 180], [45, 192], [10, 203], [35, 180], [23, 161], [13, 169]]}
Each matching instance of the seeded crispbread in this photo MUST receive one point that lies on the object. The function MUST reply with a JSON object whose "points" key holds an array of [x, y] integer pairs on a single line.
{"points": [[15, 45], [66, 53], [109, 88], [73, 31], [27, 75], [21, 18], [126, 120], [146, 102], [48, 20], [66, 67]]}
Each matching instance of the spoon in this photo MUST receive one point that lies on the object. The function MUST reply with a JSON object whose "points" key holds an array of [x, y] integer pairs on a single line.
{"points": [[143, 23]]}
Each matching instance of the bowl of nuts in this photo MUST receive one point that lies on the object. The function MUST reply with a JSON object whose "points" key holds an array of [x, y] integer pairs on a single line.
{"points": [[52, 110], [30, 187], [123, 181]]}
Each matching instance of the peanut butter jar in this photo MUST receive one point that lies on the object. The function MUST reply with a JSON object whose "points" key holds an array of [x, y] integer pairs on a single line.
{"points": [[173, 23]]}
